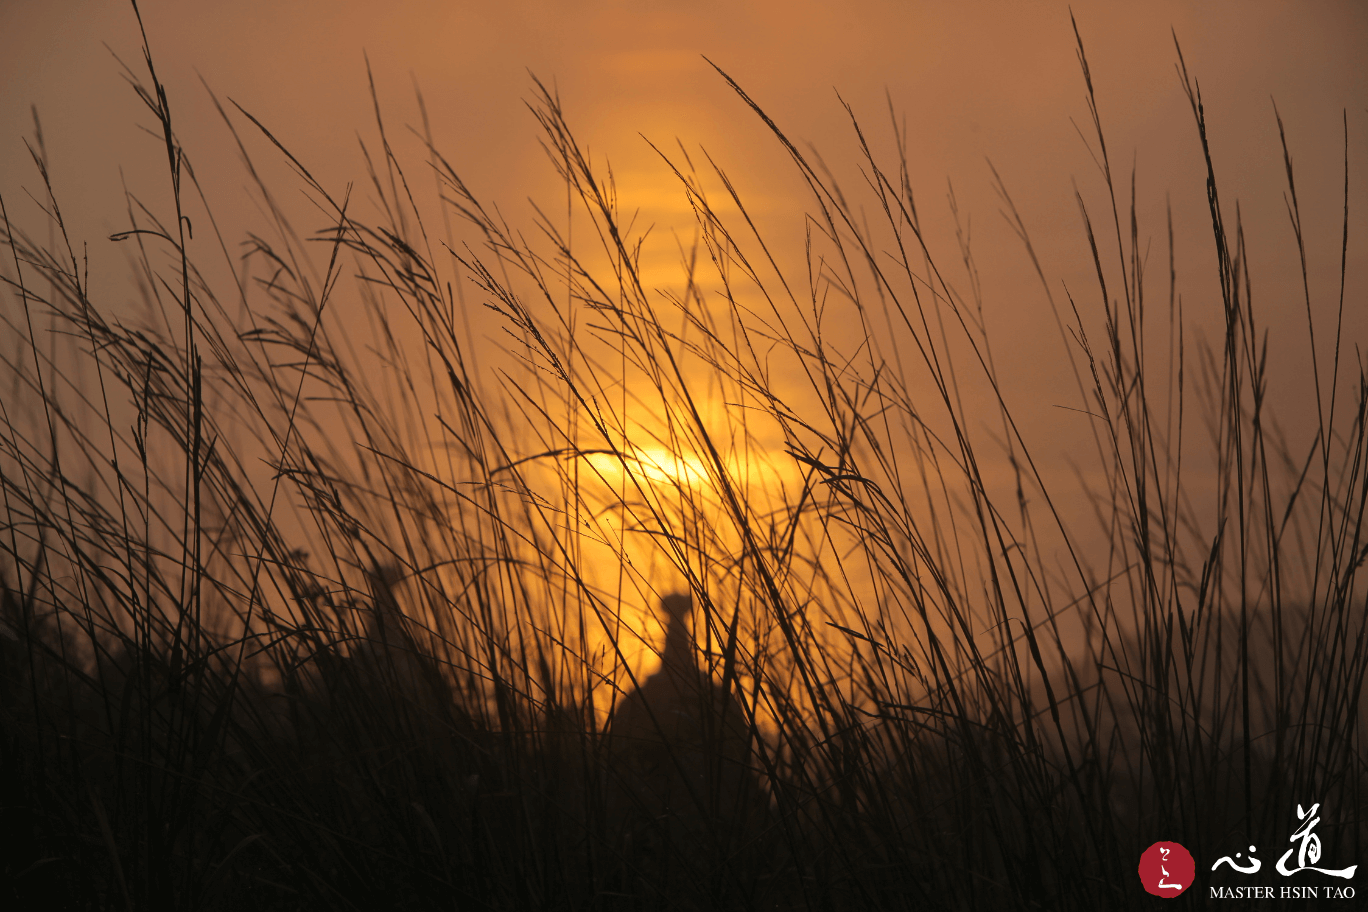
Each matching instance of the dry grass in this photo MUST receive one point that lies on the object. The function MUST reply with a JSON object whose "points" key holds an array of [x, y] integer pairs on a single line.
{"points": [[303, 610]]}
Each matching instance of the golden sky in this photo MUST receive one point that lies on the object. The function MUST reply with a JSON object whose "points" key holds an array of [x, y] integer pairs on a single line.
{"points": [[978, 80], [973, 81]]}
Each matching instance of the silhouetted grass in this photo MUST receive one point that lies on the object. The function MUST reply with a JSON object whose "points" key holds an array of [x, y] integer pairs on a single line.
{"points": [[303, 610]]}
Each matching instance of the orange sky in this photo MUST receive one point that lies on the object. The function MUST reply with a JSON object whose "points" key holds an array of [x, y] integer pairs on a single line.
{"points": [[981, 80], [974, 80]]}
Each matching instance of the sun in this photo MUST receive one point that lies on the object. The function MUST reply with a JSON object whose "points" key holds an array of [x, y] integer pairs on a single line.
{"points": [[651, 465]]}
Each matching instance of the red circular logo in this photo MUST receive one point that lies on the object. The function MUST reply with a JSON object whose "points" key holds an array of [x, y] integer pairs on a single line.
{"points": [[1167, 869]]}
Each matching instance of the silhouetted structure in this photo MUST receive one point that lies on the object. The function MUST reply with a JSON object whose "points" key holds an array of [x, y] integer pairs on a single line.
{"points": [[683, 792]]}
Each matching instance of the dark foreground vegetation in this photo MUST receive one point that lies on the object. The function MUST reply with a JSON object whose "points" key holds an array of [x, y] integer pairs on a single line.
{"points": [[301, 609]]}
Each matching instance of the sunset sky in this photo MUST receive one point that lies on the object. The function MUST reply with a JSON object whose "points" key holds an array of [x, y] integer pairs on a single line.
{"points": [[973, 82]]}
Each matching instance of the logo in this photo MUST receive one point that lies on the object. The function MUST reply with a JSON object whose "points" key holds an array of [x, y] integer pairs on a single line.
{"points": [[1306, 847], [1167, 869]]}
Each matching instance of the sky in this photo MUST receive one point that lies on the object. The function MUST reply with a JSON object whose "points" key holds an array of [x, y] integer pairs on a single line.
{"points": [[973, 82]]}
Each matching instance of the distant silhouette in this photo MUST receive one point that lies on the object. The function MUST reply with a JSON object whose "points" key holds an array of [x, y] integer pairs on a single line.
{"points": [[394, 651], [683, 793], [386, 684], [13, 648]]}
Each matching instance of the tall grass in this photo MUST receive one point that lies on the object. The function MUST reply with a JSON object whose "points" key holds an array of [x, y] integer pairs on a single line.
{"points": [[306, 606]]}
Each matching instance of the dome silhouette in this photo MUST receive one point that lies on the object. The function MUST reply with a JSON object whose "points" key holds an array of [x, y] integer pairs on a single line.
{"points": [[683, 793]]}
